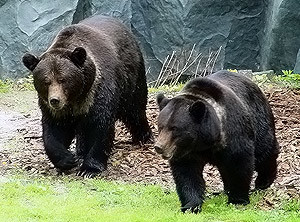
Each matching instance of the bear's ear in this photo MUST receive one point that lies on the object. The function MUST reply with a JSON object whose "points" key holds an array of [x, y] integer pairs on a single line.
{"points": [[197, 110], [78, 56], [30, 61], [161, 101]]}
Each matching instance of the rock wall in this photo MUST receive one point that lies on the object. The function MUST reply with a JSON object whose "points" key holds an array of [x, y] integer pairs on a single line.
{"points": [[283, 40], [29, 26], [297, 64], [246, 34]]}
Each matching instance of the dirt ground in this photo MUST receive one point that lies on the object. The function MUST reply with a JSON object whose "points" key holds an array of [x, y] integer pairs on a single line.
{"points": [[21, 145]]}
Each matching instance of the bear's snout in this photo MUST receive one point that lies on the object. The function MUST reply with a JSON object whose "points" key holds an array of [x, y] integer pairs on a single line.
{"points": [[158, 149], [165, 145], [54, 102], [56, 96]]}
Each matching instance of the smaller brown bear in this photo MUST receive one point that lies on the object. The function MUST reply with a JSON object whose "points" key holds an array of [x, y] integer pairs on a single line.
{"points": [[92, 74], [225, 120]]}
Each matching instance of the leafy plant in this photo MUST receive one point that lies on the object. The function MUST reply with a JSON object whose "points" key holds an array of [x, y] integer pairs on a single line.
{"points": [[288, 79], [288, 75]]}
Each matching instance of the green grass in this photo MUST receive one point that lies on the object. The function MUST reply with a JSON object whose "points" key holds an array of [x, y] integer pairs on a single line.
{"points": [[65, 199], [21, 84], [166, 88], [5, 85], [278, 81]]}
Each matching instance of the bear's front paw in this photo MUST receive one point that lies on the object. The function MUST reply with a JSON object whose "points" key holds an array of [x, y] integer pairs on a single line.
{"points": [[67, 163], [192, 207], [88, 170], [239, 200]]}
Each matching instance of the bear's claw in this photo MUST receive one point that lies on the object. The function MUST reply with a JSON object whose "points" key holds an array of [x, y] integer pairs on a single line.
{"points": [[86, 174], [87, 171], [192, 207]]}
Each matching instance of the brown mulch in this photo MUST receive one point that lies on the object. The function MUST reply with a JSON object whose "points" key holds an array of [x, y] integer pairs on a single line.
{"points": [[141, 164], [286, 108]]}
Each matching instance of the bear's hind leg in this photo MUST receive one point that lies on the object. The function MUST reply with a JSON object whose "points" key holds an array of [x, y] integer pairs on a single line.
{"points": [[135, 119], [236, 173], [137, 123], [134, 107], [266, 163], [266, 172]]}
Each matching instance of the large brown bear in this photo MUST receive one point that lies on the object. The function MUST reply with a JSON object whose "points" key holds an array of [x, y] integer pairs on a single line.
{"points": [[223, 119], [92, 74]]}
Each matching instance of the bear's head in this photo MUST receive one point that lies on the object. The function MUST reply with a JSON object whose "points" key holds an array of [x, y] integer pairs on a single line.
{"points": [[185, 125], [62, 77]]}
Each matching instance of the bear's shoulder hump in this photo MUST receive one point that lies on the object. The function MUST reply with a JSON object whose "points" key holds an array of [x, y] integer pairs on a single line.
{"points": [[204, 85]]}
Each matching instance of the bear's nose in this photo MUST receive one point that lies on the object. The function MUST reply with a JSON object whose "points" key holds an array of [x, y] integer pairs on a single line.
{"points": [[158, 149], [54, 102]]}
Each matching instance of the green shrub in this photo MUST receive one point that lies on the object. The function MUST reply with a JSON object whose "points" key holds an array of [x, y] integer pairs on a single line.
{"points": [[288, 79]]}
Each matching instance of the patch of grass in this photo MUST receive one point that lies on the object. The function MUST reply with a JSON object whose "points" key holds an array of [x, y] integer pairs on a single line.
{"points": [[166, 88], [286, 80], [21, 84], [5, 85], [292, 206], [67, 199]]}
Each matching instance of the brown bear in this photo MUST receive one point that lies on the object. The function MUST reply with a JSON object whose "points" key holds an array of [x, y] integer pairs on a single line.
{"points": [[225, 120], [92, 74]]}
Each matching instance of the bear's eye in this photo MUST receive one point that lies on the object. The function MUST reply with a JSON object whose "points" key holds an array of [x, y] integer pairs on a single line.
{"points": [[61, 80], [173, 128], [47, 81]]}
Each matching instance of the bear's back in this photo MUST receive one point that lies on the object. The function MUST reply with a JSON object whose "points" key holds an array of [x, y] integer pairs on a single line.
{"points": [[247, 91], [243, 87], [105, 25], [98, 35], [241, 98], [225, 87]]}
